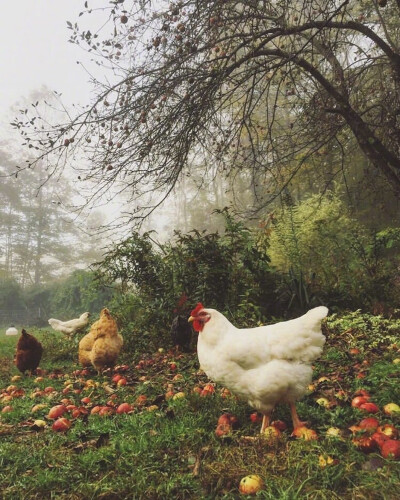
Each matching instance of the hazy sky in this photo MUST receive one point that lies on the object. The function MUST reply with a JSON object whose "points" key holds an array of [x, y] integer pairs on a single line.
{"points": [[35, 51]]}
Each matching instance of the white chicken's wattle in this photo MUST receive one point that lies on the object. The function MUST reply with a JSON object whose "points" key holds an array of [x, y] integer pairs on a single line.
{"points": [[266, 365]]}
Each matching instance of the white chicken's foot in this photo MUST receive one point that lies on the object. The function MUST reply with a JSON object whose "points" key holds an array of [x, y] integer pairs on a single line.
{"points": [[295, 418], [265, 422]]}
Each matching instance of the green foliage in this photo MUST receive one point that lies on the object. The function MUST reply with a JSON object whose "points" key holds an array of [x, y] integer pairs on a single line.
{"points": [[10, 294], [325, 255], [225, 271], [80, 292]]}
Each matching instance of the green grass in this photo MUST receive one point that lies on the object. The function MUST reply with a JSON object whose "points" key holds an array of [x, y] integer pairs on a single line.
{"points": [[172, 452]]}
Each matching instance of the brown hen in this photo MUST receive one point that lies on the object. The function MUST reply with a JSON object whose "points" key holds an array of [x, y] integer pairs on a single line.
{"points": [[28, 353]]}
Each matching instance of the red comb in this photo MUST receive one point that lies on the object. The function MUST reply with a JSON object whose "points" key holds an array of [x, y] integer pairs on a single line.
{"points": [[198, 308]]}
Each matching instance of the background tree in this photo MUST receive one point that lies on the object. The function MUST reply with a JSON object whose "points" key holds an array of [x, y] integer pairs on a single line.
{"points": [[256, 86]]}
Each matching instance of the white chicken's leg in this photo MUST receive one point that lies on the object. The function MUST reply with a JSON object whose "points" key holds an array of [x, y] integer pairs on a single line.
{"points": [[265, 422], [295, 418]]}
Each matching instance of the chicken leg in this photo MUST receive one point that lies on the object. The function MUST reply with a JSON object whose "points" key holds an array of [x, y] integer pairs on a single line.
{"points": [[265, 422], [295, 418]]}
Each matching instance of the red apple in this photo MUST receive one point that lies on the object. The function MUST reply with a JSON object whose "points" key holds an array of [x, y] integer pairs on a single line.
{"points": [[359, 400], [95, 410], [49, 389], [141, 400], [105, 411], [86, 400], [124, 408], [379, 438], [61, 425], [56, 411], [122, 381], [256, 417], [391, 449], [370, 424], [6, 409], [369, 407], [116, 378], [223, 429], [279, 424]]}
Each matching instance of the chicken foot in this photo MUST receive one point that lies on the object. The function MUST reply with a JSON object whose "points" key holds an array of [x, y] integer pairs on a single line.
{"points": [[295, 418], [265, 422]]}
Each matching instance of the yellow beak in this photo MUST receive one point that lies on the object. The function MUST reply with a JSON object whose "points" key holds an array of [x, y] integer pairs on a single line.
{"points": [[190, 319]]}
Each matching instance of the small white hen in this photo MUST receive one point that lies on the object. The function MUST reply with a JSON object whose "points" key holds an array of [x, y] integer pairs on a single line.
{"points": [[266, 365], [72, 326]]}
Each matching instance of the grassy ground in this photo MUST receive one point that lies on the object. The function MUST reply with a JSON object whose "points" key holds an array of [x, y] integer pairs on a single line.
{"points": [[167, 448]]}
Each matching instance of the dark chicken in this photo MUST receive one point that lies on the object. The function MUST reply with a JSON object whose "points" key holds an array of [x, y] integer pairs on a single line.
{"points": [[28, 353]]}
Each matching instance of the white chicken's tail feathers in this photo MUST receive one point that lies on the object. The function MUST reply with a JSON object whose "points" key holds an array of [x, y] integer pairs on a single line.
{"points": [[310, 340], [316, 315]]}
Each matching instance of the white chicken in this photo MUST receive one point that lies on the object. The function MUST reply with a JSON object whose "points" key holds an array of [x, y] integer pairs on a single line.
{"points": [[266, 365], [72, 326]]}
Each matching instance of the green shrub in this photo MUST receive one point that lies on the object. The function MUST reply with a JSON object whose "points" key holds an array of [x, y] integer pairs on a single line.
{"points": [[325, 255]]}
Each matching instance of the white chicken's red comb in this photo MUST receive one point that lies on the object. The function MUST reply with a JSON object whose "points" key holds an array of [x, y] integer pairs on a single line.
{"points": [[198, 308]]}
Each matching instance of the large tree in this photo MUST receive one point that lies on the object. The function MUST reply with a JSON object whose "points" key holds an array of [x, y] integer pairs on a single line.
{"points": [[261, 87]]}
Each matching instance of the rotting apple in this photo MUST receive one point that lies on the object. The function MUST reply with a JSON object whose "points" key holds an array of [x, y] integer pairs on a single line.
{"points": [[389, 430], [305, 433]]}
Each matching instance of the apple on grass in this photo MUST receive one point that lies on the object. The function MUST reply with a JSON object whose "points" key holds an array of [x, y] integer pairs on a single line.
{"points": [[305, 433], [250, 485], [391, 449], [61, 424], [56, 411], [389, 430], [369, 424], [392, 409], [124, 408]]}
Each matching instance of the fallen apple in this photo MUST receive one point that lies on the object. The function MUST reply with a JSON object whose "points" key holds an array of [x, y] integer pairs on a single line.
{"points": [[334, 432], [305, 433], [279, 424], [359, 400], [56, 411], [391, 408], [124, 408], [256, 417], [323, 402], [61, 425], [122, 381], [271, 433], [39, 423], [369, 407], [389, 430], [39, 407], [369, 424], [391, 449], [179, 395], [6, 409], [223, 429], [364, 443], [379, 438], [251, 484]]}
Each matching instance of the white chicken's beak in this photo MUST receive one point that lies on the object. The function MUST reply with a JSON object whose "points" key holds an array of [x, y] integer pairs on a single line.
{"points": [[191, 318]]}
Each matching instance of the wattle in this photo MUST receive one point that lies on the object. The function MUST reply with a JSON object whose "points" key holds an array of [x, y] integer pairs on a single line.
{"points": [[198, 325]]}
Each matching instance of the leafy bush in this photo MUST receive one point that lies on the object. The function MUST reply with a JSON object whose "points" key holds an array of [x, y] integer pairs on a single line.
{"points": [[225, 271], [325, 255]]}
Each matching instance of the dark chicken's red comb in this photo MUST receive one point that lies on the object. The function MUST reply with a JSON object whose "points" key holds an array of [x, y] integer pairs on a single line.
{"points": [[197, 309]]}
